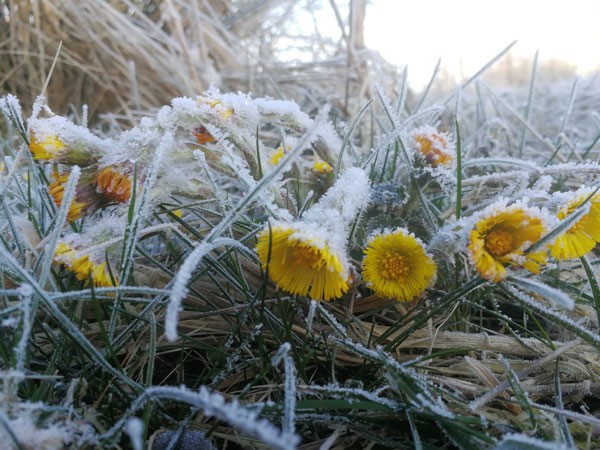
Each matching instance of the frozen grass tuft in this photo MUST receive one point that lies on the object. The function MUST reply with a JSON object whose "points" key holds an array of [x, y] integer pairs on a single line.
{"points": [[202, 268]]}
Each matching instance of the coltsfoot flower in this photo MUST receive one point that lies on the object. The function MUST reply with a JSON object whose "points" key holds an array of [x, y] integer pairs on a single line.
{"points": [[584, 234], [501, 236], [46, 147], [87, 199], [56, 140], [433, 146], [309, 256], [84, 266], [397, 266], [302, 264], [90, 253], [114, 184]]}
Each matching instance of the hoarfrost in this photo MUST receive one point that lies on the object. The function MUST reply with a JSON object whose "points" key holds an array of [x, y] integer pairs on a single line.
{"points": [[183, 276], [435, 408], [289, 408], [516, 441], [135, 430], [213, 404], [557, 297]]}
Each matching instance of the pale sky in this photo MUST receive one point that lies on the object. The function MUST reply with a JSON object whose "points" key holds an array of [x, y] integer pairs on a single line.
{"points": [[467, 33]]}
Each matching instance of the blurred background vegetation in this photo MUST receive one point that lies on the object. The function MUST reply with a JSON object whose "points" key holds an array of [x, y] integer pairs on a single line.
{"points": [[129, 57]]}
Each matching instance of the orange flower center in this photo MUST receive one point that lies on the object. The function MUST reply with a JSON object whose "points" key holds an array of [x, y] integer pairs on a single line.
{"points": [[394, 266], [499, 242]]}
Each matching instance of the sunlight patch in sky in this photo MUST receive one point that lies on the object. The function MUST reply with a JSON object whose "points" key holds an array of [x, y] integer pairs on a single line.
{"points": [[468, 33]]}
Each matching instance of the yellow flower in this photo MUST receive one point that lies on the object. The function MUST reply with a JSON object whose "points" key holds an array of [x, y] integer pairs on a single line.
{"points": [[502, 236], [433, 146], [113, 184], [80, 205], [47, 148], [217, 105], [302, 265], [82, 266], [50, 148], [279, 154], [583, 235], [322, 167], [397, 266]]}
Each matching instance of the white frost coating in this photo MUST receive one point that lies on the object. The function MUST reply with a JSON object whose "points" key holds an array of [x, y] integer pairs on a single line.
{"points": [[213, 404], [343, 392], [143, 205], [379, 355], [281, 352], [11, 108], [591, 337], [434, 408], [25, 294], [312, 309], [556, 296], [338, 327], [289, 410], [289, 407], [516, 441], [135, 430], [346, 197], [32, 427], [183, 276]]}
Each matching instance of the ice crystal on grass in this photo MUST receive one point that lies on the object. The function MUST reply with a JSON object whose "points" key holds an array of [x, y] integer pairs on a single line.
{"points": [[519, 441], [28, 425], [244, 418], [182, 278]]}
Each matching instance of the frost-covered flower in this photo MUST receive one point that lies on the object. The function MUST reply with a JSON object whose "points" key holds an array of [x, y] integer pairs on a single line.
{"points": [[91, 253], [500, 237], [57, 140], [216, 105], [302, 263], [435, 147], [308, 256], [583, 235], [86, 200], [46, 147], [397, 266], [114, 183], [83, 266], [203, 136]]}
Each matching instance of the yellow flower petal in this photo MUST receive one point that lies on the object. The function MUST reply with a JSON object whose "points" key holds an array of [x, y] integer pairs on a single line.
{"points": [[82, 266], [583, 235], [46, 148], [322, 167], [278, 155], [301, 266]]}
